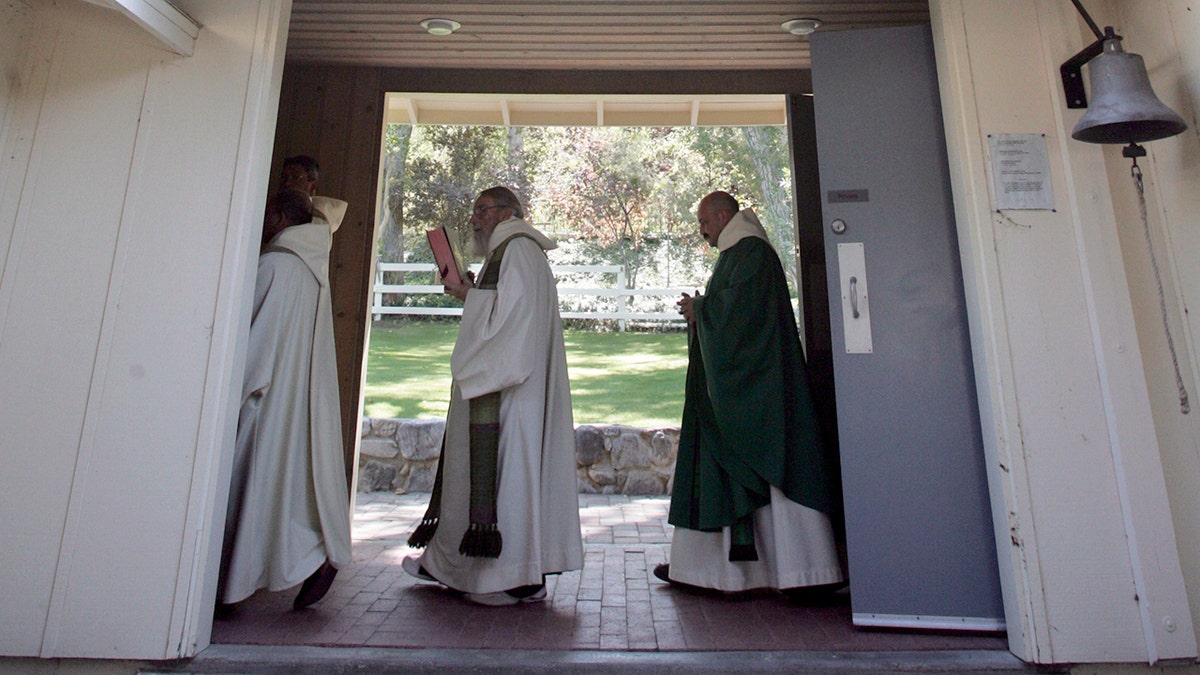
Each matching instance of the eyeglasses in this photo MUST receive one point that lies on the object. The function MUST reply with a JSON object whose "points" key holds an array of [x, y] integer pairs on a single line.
{"points": [[480, 210]]}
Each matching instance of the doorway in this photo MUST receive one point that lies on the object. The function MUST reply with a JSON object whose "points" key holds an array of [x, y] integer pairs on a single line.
{"points": [[304, 93]]}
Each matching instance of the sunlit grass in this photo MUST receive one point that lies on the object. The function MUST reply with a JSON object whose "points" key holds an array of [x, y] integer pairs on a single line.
{"points": [[631, 378]]}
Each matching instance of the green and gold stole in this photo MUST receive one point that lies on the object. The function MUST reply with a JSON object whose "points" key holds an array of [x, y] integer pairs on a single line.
{"points": [[482, 538]]}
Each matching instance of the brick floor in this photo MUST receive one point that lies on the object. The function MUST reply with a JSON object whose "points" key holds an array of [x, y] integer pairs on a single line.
{"points": [[613, 603]]}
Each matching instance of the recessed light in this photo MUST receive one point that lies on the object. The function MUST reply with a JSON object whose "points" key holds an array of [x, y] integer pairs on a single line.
{"points": [[440, 26], [801, 26]]}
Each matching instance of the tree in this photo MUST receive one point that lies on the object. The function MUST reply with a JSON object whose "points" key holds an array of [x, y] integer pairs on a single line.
{"points": [[603, 181], [448, 167], [768, 153], [395, 158], [753, 163], [616, 195]]}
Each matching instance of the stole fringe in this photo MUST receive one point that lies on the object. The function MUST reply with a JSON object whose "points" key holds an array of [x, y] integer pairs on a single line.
{"points": [[424, 532], [481, 540], [429, 522]]}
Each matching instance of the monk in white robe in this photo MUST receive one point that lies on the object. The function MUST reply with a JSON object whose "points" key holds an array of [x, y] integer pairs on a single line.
{"points": [[288, 519], [510, 343], [302, 172]]}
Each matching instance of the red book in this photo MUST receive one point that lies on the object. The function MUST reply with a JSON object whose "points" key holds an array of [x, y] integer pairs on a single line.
{"points": [[445, 252]]}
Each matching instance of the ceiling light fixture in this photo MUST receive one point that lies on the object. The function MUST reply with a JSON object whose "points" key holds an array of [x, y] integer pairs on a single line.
{"points": [[801, 26], [440, 26]]}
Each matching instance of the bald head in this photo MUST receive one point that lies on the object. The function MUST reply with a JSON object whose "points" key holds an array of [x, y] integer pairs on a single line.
{"points": [[714, 213]]}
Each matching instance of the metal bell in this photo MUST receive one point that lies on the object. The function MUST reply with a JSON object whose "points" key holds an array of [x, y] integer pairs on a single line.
{"points": [[1124, 108]]}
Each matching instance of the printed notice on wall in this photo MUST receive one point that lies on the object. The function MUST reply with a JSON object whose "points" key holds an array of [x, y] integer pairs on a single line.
{"points": [[1020, 171]]}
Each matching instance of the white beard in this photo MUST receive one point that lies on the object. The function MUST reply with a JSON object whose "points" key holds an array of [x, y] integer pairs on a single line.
{"points": [[479, 244]]}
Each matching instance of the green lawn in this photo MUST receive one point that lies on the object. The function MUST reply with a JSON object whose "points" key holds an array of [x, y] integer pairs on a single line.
{"points": [[629, 378]]}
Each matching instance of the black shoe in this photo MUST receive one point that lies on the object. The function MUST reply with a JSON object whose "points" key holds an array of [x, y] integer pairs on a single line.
{"points": [[530, 593], [413, 567], [315, 586], [224, 610], [513, 596], [823, 595], [663, 572]]}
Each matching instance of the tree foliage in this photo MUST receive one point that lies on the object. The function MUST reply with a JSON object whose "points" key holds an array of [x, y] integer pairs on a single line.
{"points": [[622, 196]]}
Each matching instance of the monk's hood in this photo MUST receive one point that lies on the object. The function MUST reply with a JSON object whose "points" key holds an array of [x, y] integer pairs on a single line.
{"points": [[329, 211], [310, 242], [743, 224], [512, 226]]}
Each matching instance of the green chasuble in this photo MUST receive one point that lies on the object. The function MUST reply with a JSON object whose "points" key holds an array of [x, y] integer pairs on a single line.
{"points": [[748, 418]]}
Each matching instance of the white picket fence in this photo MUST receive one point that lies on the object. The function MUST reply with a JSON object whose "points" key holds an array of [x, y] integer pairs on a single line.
{"points": [[627, 304]]}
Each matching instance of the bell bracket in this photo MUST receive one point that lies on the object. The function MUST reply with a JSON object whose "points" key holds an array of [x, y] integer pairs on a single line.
{"points": [[1072, 69]]}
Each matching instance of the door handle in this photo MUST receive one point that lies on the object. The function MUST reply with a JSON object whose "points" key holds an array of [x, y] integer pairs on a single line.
{"points": [[854, 297]]}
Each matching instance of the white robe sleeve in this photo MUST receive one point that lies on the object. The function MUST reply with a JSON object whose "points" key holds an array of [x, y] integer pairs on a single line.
{"points": [[498, 345], [266, 318]]}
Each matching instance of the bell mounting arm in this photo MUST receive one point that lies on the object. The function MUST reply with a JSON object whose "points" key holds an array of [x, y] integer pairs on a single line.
{"points": [[1072, 69]]}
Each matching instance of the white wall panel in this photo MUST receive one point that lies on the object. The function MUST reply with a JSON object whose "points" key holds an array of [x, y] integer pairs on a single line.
{"points": [[1167, 35], [60, 253], [21, 540], [1076, 474], [122, 298]]}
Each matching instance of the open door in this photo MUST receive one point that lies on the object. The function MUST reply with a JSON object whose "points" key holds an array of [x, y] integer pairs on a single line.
{"points": [[918, 521]]}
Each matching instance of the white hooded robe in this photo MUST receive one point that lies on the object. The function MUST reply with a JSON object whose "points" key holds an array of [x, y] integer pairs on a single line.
{"points": [[289, 507], [511, 341]]}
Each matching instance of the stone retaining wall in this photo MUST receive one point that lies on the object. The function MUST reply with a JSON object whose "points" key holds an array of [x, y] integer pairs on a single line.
{"points": [[401, 455]]}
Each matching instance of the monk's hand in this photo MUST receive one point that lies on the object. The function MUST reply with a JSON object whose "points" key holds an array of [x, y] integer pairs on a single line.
{"points": [[685, 306], [457, 290]]}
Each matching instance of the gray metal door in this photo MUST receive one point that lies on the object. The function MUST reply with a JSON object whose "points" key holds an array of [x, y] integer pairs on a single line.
{"points": [[918, 521]]}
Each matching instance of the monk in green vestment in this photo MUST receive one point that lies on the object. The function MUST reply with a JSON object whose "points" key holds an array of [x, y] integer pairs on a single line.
{"points": [[753, 488]]}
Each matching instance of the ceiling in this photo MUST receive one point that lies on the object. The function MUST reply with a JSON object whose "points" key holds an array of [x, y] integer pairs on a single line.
{"points": [[578, 34], [708, 37], [637, 39]]}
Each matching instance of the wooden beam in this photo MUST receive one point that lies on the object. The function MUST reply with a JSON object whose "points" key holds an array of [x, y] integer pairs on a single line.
{"points": [[595, 82]]}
